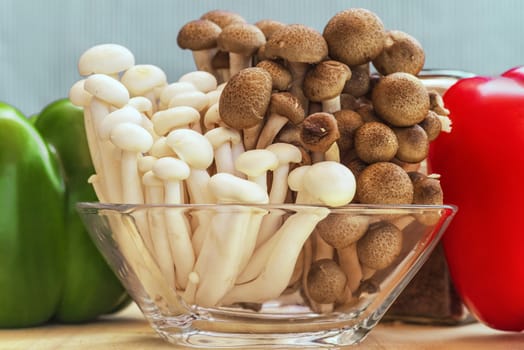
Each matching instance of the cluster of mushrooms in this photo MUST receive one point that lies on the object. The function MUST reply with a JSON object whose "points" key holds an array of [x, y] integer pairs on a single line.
{"points": [[274, 114]]}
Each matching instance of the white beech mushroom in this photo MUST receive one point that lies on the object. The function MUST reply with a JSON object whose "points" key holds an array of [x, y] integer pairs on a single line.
{"points": [[221, 256], [255, 164], [109, 59], [299, 46], [223, 139], [175, 118], [173, 171], [203, 81], [145, 80], [324, 83], [173, 89], [283, 107], [241, 40], [244, 102], [200, 36]]}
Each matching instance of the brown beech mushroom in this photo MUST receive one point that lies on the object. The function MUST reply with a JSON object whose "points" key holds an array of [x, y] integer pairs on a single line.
{"points": [[325, 82], [354, 36], [413, 144], [375, 142], [319, 131], [223, 18], [431, 125], [200, 36], [384, 183], [348, 122], [380, 246], [401, 99], [244, 102], [299, 46], [241, 40], [359, 83], [220, 64], [269, 26], [401, 53], [280, 75], [326, 281], [427, 191], [284, 107]]}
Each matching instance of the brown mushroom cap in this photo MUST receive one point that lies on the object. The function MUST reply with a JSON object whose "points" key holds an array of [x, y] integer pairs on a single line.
{"points": [[269, 26], [199, 34], [413, 144], [401, 99], [286, 105], [245, 98], [326, 281], [348, 122], [297, 43], [402, 53], [359, 83], [326, 80], [375, 142], [380, 246], [319, 131], [223, 18], [339, 231], [367, 112], [384, 183], [427, 190], [241, 38], [431, 125], [354, 36], [279, 74]]}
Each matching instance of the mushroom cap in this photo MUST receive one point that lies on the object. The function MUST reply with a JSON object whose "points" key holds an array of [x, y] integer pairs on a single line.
{"points": [[354, 36], [105, 59], [141, 104], [375, 142], [401, 53], [107, 89], [145, 163], [173, 118], [223, 18], [280, 75], [319, 131], [380, 246], [192, 147], [142, 78], [131, 137], [245, 98], [151, 180], [173, 89], [220, 135], [203, 81], [342, 230], [413, 144], [269, 26], [326, 281], [126, 114], [326, 80], [78, 95], [428, 191], [196, 99], [359, 83], [287, 105], [295, 179], [401, 99], [297, 43], [199, 34], [384, 183], [161, 149], [330, 182], [256, 162], [171, 168], [431, 125], [285, 152], [229, 188], [348, 122], [241, 38]]}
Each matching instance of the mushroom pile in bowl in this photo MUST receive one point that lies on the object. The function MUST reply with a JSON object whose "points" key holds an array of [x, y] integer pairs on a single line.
{"points": [[275, 196]]}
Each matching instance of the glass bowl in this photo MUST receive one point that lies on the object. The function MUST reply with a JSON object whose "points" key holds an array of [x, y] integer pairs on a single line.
{"points": [[264, 276]]}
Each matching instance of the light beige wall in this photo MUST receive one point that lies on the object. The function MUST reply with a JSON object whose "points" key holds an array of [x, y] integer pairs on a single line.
{"points": [[40, 41]]}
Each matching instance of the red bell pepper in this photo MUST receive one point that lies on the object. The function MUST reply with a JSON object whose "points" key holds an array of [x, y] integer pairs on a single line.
{"points": [[481, 163]]}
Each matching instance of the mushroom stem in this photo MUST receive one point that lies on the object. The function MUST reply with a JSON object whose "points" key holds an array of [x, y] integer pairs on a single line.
{"points": [[331, 105], [274, 124], [277, 272], [348, 262], [298, 72]]}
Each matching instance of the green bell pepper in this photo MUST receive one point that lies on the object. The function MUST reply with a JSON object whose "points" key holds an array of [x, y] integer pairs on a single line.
{"points": [[49, 267]]}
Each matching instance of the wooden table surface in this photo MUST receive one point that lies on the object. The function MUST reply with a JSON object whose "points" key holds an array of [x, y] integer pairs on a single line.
{"points": [[129, 330]]}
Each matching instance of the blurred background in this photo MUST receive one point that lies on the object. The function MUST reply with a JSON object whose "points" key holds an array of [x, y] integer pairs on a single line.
{"points": [[41, 41]]}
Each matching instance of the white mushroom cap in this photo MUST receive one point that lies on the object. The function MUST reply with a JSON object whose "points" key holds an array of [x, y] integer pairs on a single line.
{"points": [[142, 78], [126, 114], [151, 180], [213, 97], [173, 118], [105, 59], [141, 104], [161, 149], [296, 176], [285, 152], [169, 91], [191, 147], [170, 168], [330, 182], [229, 188], [196, 99], [256, 162], [107, 89], [212, 117], [146, 163], [78, 95], [221, 135], [203, 81], [131, 137]]}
